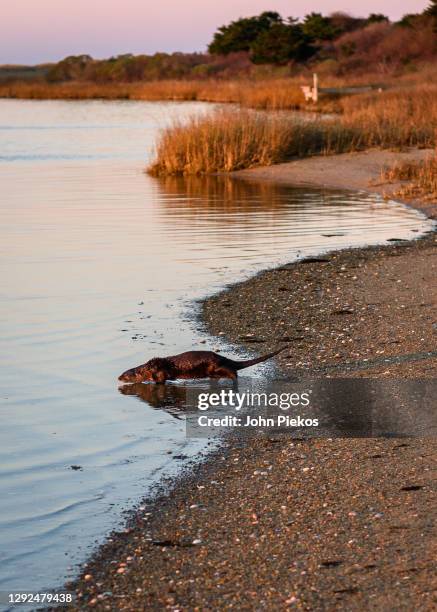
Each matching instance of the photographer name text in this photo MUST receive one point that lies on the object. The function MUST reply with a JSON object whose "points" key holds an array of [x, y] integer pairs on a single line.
{"points": [[281, 420]]}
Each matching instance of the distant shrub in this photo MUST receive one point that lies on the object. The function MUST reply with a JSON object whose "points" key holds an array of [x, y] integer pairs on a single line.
{"points": [[239, 35], [385, 47], [328, 66]]}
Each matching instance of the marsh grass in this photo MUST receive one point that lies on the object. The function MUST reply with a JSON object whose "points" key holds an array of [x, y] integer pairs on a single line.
{"points": [[272, 94], [233, 139], [394, 119], [229, 140], [82, 90], [419, 179]]}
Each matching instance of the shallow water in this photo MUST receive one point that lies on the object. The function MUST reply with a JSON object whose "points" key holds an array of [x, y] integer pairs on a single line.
{"points": [[99, 267]]}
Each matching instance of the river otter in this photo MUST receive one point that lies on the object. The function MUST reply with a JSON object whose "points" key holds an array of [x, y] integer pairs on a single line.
{"points": [[193, 364]]}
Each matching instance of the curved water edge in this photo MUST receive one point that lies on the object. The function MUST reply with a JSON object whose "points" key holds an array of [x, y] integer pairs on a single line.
{"points": [[101, 266]]}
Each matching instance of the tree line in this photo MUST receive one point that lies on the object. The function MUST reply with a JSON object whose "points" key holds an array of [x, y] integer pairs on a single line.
{"points": [[341, 41], [270, 39]]}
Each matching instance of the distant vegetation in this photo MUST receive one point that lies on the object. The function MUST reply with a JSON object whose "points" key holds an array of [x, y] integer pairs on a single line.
{"points": [[265, 45], [12, 73]]}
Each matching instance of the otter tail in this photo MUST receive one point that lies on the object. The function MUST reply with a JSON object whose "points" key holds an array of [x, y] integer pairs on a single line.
{"points": [[240, 365]]}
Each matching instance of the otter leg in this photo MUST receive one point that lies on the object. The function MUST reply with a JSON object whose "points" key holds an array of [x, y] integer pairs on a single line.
{"points": [[223, 372], [160, 376]]}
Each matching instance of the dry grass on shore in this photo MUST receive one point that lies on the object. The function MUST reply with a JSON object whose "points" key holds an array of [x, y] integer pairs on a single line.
{"points": [[396, 118], [419, 179], [231, 139]]}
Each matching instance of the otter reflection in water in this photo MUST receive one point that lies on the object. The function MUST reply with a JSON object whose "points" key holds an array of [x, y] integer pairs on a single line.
{"points": [[174, 399]]}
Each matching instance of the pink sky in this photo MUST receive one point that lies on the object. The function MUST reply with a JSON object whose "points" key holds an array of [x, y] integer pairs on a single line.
{"points": [[47, 30]]}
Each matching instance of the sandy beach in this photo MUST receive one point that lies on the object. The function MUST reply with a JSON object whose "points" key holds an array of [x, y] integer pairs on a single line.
{"points": [[295, 524]]}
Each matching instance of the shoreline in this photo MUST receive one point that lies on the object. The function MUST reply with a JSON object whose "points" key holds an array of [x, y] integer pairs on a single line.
{"points": [[293, 524], [356, 171]]}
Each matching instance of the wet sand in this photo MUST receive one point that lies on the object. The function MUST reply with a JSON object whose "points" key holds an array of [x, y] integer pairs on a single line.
{"points": [[359, 171], [342, 314], [294, 524]]}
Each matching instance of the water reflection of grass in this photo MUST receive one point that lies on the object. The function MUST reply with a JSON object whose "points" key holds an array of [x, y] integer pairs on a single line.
{"points": [[194, 194]]}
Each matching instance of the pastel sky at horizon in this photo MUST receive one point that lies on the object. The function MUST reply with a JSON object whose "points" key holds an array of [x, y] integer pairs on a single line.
{"points": [[48, 30]]}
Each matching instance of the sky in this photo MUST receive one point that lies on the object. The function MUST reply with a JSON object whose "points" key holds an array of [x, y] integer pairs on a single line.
{"points": [[36, 31]]}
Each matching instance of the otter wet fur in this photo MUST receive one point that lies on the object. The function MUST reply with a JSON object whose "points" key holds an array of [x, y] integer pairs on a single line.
{"points": [[190, 365]]}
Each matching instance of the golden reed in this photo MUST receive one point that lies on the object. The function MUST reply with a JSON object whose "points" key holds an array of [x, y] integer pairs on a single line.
{"points": [[232, 139], [419, 179]]}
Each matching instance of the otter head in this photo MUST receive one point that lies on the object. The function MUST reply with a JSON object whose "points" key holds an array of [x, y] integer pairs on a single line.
{"points": [[154, 370]]}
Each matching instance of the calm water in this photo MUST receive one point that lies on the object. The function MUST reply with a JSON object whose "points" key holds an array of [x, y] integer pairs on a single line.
{"points": [[99, 264]]}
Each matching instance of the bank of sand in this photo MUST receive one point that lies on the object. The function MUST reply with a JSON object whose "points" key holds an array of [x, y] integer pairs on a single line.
{"points": [[278, 524], [359, 171]]}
